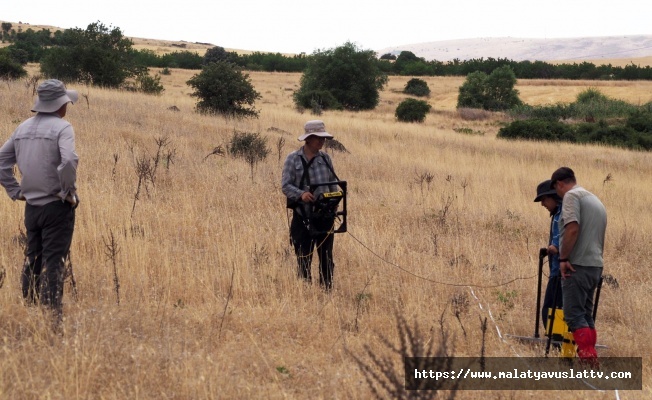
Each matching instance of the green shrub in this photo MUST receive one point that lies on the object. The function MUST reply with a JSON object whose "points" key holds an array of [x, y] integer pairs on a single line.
{"points": [[412, 110], [417, 87], [640, 121], [590, 105], [538, 129], [150, 84], [625, 136], [590, 95], [222, 88], [249, 146], [323, 98], [10, 68]]}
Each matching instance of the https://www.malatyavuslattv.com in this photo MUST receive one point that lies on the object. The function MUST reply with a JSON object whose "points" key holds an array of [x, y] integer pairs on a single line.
{"points": [[469, 373]]}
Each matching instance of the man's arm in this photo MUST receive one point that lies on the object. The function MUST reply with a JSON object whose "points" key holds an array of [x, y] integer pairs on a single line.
{"points": [[288, 178], [571, 232], [68, 168], [7, 178]]}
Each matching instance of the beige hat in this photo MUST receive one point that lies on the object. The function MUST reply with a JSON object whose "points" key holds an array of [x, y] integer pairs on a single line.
{"points": [[52, 94], [315, 127]]}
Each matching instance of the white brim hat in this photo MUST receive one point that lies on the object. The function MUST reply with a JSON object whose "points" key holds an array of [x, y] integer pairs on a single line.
{"points": [[52, 94], [315, 127]]}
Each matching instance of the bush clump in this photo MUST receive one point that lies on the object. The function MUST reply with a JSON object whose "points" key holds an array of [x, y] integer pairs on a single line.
{"points": [[249, 146], [635, 133], [412, 110], [322, 98], [222, 88], [590, 105], [150, 84], [417, 87]]}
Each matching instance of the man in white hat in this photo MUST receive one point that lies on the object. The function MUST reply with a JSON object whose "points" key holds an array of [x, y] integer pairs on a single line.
{"points": [[43, 147], [303, 167]]}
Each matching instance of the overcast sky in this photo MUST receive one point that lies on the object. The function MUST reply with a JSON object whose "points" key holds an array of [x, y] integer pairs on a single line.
{"points": [[295, 26]]}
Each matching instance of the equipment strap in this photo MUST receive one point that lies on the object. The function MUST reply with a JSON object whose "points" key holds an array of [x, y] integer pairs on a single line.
{"points": [[305, 178]]}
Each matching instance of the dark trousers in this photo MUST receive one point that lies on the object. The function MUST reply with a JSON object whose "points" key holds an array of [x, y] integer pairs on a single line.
{"points": [[49, 235], [304, 244], [551, 298], [579, 290]]}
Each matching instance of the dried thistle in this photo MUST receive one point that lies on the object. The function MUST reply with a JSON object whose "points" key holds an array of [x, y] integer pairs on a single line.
{"points": [[385, 378], [217, 151], [111, 251], [3, 274]]}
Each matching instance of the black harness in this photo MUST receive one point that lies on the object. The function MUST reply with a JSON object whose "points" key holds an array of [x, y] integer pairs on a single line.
{"points": [[305, 177], [325, 206]]}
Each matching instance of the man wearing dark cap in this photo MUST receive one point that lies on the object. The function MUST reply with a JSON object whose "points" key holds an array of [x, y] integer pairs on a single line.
{"points": [[43, 148], [552, 202], [582, 226], [303, 167]]}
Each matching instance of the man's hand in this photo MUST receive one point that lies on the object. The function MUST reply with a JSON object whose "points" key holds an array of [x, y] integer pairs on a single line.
{"points": [[552, 250], [72, 199], [566, 269], [307, 197], [20, 197]]}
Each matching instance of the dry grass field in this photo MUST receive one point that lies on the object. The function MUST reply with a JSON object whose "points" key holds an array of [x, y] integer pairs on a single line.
{"points": [[442, 229]]}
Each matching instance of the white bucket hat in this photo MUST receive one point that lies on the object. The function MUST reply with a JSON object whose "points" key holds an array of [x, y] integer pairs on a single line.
{"points": [[315, 127], [52, 94]]}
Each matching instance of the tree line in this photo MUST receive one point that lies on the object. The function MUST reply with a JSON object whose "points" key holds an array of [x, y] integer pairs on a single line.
{"points": [[35, 46]]}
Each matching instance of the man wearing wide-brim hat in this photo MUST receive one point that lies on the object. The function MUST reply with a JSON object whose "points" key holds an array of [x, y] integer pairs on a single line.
{"points": [[303, 167], [43, 148]]}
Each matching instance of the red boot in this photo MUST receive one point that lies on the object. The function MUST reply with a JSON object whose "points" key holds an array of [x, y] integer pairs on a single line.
{"points": [[585, 338]]}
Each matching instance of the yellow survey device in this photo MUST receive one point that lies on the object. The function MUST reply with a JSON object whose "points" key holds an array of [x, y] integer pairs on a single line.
{"points": [[561, 333], [330, 195]]}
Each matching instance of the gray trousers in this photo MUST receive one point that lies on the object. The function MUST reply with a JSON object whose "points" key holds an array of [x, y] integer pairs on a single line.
{"points": [[578, 291]]}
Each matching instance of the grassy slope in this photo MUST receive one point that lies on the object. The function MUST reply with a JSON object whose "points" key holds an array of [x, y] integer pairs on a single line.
{"points": [[205, 220]]}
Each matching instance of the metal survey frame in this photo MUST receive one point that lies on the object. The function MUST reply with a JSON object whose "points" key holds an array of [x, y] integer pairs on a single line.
{"points": [[340, 212]]}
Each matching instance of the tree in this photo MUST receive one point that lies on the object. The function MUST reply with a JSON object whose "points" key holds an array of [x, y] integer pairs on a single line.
{"points": [[490, 92], [217, 54], [501, 94], [388, 56], [351, 75], [412, 110], [472, 92], [6, 27], [222, 88], [97, 55]]}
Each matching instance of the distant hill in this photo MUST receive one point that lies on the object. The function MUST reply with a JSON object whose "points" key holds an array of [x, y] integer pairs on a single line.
{"points": [[520, 49]]}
